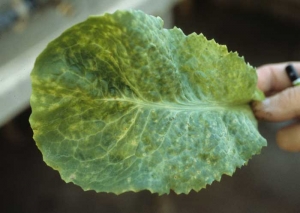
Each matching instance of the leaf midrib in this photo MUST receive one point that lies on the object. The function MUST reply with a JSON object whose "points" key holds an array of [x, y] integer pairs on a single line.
{"points": [[197, 106]]}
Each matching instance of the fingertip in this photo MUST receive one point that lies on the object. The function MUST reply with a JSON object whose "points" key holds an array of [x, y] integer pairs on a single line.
{"points": [[261, 109], [273, 78], [263, 78], [280, 107], [288, 138]]}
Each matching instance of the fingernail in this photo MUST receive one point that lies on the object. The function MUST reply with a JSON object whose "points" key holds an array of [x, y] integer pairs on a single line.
{"points": [[256, 106], [263, 105], [260, 109]]}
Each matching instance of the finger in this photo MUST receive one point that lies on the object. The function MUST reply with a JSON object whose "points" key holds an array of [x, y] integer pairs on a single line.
{"points": [[273, 78], [280, 107], [288, 138]]}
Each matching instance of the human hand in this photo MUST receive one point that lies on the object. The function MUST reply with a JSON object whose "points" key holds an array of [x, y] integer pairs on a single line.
{"points": [[282, 103]]}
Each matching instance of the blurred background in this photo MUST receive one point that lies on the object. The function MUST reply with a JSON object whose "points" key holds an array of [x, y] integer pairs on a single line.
{"points": [[264, 31]]}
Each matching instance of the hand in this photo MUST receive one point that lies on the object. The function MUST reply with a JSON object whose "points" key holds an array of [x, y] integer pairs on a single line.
{"points": [[282, 103]]}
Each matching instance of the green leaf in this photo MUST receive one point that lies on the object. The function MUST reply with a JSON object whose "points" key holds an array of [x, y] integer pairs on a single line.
{"points": [[121, 104]]}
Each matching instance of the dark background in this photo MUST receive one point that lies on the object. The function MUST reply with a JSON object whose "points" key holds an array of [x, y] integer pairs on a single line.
{"points": [[262, 33]]}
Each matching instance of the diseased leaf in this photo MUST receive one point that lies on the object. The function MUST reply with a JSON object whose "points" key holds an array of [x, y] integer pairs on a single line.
{"points": [[121, 104]]}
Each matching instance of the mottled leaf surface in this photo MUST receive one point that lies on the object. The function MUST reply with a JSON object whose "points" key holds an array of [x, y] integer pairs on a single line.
{"points": [[121, 104]]}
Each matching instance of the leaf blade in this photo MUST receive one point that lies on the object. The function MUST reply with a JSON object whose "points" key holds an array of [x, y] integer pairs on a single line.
{"points": [[115, 114]]}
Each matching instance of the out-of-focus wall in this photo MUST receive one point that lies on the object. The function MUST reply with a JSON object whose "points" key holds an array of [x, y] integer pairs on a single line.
{"points": [[287, 10]]}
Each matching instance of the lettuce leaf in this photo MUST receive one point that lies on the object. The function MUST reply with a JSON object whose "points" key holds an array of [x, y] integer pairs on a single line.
{"points": [[121, 104]]}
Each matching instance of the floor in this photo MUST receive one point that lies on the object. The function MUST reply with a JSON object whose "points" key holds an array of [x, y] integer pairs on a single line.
{"points": [[269, 183]]}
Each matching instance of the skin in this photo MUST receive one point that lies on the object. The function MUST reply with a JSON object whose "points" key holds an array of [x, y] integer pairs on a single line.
{"points": [[282, 103]]}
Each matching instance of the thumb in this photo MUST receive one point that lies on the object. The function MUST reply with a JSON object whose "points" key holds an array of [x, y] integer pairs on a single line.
{"points": [[288, 138], [280, 107]]}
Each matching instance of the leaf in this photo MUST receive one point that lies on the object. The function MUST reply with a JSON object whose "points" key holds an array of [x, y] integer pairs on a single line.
{"points": [[121, 104]]}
